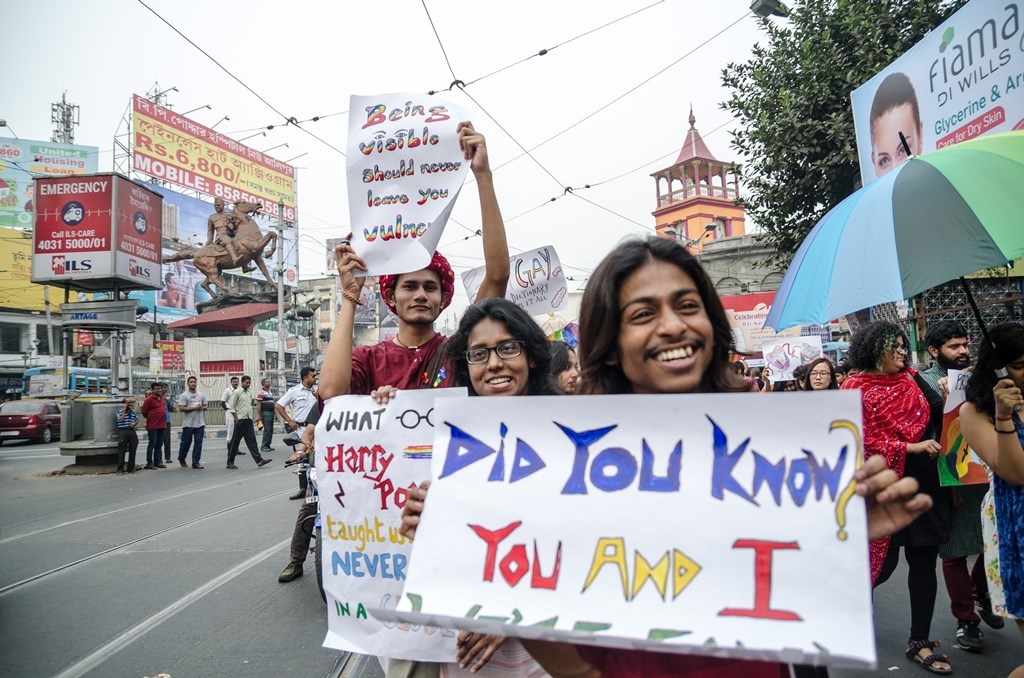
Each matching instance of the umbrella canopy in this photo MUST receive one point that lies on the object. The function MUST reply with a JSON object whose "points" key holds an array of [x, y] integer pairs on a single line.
{"points": [[934, 218]]}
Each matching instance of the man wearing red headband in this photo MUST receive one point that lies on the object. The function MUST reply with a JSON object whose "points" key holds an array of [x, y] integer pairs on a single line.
{"points": [[415, 358]]}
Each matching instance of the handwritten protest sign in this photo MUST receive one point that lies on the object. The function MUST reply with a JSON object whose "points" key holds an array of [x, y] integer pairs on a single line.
{"points": [[404, 170], [699, 527], [536, 284], [367, 458], [785, 355], [958, 464]]}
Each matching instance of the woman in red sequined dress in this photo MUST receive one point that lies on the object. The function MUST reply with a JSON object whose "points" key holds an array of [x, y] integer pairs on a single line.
{"points": [[902, 416]]}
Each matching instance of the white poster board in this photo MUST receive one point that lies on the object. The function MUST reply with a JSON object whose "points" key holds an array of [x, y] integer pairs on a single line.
{"points": [[404, 170], [367, 458], [782, 356], [691, 524], [965, 78], [536, 282]]}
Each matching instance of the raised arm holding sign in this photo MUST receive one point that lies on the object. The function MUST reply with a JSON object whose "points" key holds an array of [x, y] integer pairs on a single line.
{"points": [[417, 298]]}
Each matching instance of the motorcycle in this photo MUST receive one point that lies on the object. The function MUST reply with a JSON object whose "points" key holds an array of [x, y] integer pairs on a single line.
{"points": [[311, 524]]}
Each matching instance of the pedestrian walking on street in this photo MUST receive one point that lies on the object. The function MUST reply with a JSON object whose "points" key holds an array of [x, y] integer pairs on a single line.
{"points": [[242, 407], [169, 403], [154, 409], [229, 423], [193, 426], [902, 421], [127, 438], [267, 400]]}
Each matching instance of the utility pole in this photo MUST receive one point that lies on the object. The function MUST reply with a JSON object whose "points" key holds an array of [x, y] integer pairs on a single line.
{"points": [[64, 117], [281, 332], [50, 343]]}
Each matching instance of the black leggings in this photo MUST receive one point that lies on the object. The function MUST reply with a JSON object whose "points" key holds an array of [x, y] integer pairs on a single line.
{"points": [[922, 583]]}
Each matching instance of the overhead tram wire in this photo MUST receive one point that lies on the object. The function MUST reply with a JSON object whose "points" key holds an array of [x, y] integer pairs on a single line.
{"points": [[624, 94], [288, 120], [458, 83], [440, 44], [548, 50], [574, 189]]}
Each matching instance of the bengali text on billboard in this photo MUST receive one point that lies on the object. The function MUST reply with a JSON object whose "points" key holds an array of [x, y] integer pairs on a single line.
{"points": [[170, 147]]}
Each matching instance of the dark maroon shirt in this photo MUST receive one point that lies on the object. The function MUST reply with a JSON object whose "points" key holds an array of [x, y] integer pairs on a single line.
{"points": [[388, 364]]}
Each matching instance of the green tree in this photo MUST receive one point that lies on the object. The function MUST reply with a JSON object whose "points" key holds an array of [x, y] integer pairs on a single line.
{"points": [[792, 100]]}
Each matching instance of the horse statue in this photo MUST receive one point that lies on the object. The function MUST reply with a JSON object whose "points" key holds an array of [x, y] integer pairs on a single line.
{"points": [[249, 242]]}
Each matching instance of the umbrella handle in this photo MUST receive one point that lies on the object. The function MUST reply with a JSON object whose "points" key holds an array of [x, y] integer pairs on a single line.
{"points": [[906, 146]]}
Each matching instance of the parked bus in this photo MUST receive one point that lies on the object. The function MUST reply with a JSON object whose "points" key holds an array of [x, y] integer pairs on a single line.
{"points": [[51, 382]]}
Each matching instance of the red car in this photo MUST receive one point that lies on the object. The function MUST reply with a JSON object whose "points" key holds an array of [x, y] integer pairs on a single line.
{"points": [[33, 419]]}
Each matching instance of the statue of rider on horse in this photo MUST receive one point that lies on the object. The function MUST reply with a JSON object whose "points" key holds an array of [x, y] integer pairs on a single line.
{"points": [[233, 240]]}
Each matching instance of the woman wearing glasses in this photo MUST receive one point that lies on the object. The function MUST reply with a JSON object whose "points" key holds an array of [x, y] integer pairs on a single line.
{"points": [[902, 421], [498, 350], [821, 376]]}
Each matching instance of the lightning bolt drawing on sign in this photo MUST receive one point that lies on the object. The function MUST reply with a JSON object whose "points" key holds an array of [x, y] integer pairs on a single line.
{"points": [[340, 494]]}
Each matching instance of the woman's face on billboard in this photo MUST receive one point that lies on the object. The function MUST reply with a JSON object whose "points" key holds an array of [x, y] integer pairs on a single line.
{"points": [[887, 151]]}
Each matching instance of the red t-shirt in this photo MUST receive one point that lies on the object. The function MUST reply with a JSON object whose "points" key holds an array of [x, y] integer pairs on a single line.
{"points": [[388, 364], [614, 663], [154, 409]]}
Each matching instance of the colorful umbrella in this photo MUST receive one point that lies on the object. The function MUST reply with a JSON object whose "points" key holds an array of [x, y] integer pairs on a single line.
{"points": [[934, 218]]}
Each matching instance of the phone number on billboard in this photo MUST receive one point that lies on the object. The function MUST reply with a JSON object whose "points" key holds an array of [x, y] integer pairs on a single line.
{"points": [[201, 164], [73, 243]]}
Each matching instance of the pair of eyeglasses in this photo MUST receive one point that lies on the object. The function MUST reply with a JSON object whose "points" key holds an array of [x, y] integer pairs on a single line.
{"points": [[900, 349], [819, 375], [505, 350]]}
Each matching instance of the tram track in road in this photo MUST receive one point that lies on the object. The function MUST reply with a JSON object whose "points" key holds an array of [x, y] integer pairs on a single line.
{"points": [[111, 512], [62, 568], [136, 631]]}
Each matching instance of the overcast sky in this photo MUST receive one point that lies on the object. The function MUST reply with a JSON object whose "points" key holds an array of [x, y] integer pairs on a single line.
{"points": [[624, 90]]}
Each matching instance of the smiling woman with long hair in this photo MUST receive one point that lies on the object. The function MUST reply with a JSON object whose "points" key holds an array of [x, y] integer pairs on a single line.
{"points": [[498, 350]]}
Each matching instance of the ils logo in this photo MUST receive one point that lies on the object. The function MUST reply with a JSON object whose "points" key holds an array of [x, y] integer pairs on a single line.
{"points": [[136, 269], [61, 265]]}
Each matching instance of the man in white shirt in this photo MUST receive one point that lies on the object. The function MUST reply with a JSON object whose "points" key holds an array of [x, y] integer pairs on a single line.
{"points": [[300, 397], [229, 421], [193, 426]]}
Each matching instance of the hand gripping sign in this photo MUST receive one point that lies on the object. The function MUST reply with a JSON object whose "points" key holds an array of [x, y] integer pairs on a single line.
{"points": [[367, 458], [405, 169], [700, 526]]}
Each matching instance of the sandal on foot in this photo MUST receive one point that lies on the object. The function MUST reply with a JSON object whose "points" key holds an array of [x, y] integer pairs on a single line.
{"points": [[914, 652]]}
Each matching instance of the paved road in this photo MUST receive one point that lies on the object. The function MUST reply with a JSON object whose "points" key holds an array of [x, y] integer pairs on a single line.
{"points": [[164, 571], [175, 571]]}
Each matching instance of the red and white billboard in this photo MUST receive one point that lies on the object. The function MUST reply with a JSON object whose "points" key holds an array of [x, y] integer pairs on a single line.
{"points": [[95, 231], [138, 254]]}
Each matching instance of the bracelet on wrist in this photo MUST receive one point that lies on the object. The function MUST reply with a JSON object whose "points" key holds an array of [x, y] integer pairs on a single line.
{"points": [[1008, 417], [1013, 432], [354, 300]]}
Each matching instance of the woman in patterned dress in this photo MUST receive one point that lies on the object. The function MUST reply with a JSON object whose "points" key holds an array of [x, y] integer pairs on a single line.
{"points": [[900, 420], [991, 424]]}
